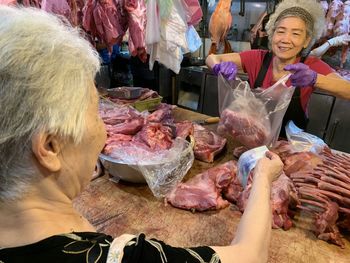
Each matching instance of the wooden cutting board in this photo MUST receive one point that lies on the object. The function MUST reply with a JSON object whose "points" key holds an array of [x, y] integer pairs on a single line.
{"points": [[117, 208]]}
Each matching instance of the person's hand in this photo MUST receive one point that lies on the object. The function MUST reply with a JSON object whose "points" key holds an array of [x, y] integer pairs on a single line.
{"points": [[339, 40], [270, 166], [302, 75], [228, 69]]}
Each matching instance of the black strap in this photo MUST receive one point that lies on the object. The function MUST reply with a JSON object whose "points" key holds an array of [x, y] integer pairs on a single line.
{"points": [[263, 70]]}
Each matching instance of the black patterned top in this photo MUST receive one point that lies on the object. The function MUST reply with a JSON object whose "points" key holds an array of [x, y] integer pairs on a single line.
{"points": [[89, 247]]}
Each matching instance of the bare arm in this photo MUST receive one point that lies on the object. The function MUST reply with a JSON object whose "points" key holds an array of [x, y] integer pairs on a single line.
{"points": [[334, 84], [252, 238], [212, 59]]}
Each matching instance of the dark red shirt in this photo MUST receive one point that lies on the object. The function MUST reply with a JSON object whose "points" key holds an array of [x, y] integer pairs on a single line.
{"points": [[252, 62]]}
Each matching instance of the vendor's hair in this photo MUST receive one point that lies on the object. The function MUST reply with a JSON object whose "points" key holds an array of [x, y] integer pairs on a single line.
{"points": [[47, 73], [310, 11]]}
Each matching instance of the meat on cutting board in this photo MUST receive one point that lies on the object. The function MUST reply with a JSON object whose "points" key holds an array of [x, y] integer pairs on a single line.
{"points": [[203, 192], [207, 144], [219, 25]]}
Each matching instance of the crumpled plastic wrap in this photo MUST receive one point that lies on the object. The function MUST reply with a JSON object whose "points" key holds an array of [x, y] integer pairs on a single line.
{"points": [[258, 112], [247, 162], [302, 141], [162, 169]]}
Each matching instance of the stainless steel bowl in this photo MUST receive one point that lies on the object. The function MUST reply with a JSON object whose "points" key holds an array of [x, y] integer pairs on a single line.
{"points": [[125, 172]]}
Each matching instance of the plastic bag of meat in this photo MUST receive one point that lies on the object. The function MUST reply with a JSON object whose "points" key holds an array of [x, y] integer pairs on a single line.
{"points": [[252, 117], [301, 141], [247, 162]]}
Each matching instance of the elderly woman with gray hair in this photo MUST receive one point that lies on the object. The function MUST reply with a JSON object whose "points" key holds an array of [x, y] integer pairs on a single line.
{"points": [[292, 30], [50, 139]]}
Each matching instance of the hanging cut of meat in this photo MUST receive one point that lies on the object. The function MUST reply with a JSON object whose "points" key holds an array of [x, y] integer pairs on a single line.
{"points": [[219, 25], [334, 10], [136, 10], [342, 26]]}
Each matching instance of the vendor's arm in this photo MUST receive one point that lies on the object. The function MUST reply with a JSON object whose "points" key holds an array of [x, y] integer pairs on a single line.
{"points": [[212, 59], [334, 84], [252, 238]]}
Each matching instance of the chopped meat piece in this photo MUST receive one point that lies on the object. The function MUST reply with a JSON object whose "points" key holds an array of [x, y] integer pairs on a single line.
{"points": [[184, 129], [207, 144], [203, 192]]}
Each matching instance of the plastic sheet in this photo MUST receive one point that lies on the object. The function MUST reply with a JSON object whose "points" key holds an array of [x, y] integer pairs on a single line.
{"points": [[302, 141], [247, 162], [257, 113], [164, 169]]}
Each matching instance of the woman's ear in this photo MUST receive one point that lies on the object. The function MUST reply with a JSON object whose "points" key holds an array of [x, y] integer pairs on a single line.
{"points": [[46, 149]]}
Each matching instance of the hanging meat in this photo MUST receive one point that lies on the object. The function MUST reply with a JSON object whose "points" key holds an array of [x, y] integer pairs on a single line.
{"points": [[219, 25], [334, 10], [342, 27], [137, 25]]}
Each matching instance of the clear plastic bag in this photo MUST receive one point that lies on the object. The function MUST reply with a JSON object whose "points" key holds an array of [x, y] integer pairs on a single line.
{"points": [[166, 170], [252, 117], [162, 169], [302, 141], [247, 162]]}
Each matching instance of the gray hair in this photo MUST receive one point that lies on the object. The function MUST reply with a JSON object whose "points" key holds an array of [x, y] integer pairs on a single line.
{"points": [[46, 73], [310, 11]]}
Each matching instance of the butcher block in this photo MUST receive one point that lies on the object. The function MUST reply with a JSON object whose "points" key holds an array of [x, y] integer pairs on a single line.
{"points": [[117, 208]]}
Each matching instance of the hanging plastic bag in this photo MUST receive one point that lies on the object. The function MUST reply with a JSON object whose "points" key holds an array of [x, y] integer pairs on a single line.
{"points": [[193, 40], [153, 23], [252, 117], [302, 141], [247, 162]]}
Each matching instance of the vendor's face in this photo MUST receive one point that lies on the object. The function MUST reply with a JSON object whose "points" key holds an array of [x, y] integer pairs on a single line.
{"points": [[289, 38], [79, 160]]}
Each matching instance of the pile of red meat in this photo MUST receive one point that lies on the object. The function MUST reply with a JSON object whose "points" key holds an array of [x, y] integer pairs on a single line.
{"points": [[143, 133], [318, 184], [322, 182]]}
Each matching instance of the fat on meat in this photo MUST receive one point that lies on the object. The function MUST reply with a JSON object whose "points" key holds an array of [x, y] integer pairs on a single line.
{"points": [[246, 129], [203, 192], [155, 135], [207, 144]]}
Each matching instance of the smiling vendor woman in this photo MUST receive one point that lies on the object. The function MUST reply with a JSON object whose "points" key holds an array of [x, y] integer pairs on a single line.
{"points": [[292, 30]]}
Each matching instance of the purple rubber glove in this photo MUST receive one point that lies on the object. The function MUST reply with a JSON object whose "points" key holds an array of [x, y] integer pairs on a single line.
{"points": [[302, 75], [227, 69]]}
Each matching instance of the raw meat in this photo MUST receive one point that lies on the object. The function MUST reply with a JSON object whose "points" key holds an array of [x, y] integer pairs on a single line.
{"points": [[245, 129], [184, 129], [203, 192], [136, 10], [333, 11], [163, 113], [207, 144], [342, 27], [219, 25], [155, 136]]}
